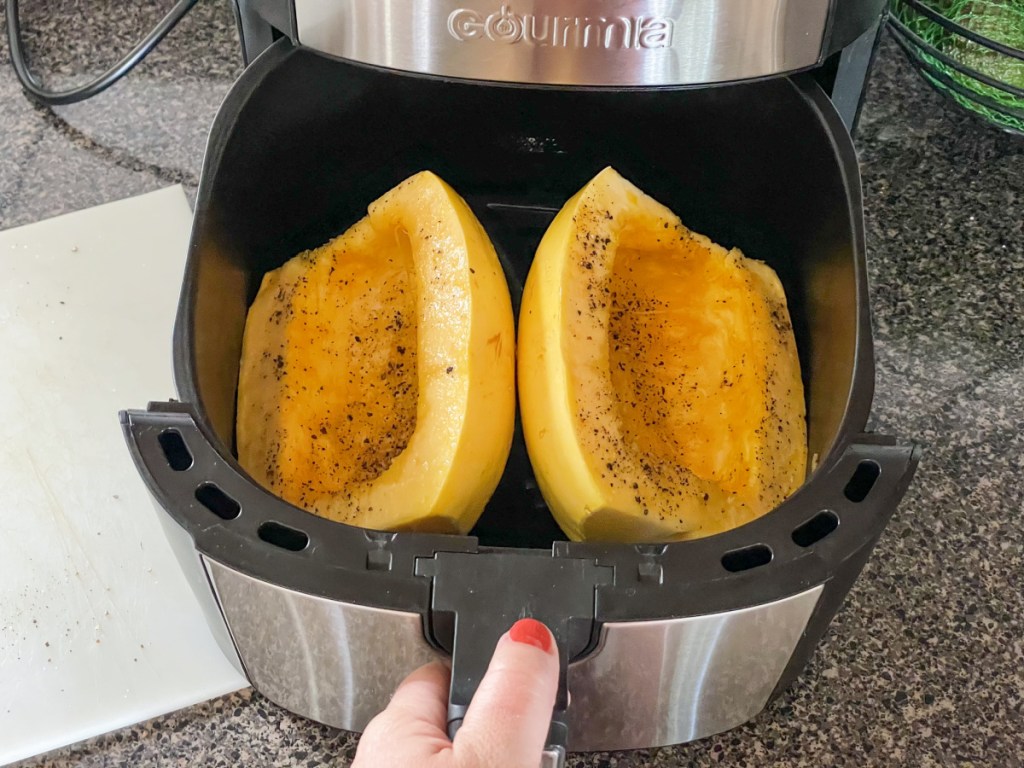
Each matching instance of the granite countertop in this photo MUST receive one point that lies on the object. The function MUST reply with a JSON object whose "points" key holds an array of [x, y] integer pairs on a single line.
{"points": [[924, 666]]}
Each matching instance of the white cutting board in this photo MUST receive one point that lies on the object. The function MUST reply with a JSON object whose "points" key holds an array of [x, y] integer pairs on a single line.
{"points": [[98, 627]]}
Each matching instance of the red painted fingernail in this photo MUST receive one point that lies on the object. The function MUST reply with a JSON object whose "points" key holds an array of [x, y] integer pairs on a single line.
{"points": [[531, 632]]}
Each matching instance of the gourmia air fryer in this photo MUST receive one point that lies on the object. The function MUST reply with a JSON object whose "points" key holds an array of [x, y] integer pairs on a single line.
{"points": [[734, 113]]}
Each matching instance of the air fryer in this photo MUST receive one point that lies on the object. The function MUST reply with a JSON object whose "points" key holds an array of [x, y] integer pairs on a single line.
{"points": [[659, 643]]}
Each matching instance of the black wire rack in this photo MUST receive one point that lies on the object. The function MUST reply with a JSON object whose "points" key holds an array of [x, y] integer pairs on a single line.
{"points": [[944, 41]]}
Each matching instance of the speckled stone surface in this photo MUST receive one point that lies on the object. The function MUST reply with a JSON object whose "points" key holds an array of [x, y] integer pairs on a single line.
{"points": [[924, 666]]}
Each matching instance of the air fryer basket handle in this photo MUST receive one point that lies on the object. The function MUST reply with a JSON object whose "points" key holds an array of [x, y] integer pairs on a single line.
{"points": [[477, 597]]}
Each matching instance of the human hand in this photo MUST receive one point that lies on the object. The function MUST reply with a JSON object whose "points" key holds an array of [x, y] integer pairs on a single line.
{"points": [[506, 724]]}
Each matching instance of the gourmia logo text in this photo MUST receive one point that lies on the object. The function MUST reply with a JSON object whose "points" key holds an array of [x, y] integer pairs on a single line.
{"points": [[609, 33]]}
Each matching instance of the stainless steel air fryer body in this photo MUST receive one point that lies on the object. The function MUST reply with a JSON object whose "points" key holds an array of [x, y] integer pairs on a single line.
{"points": [[659, 643], [572, 42], [569, 42], [596, 43]]}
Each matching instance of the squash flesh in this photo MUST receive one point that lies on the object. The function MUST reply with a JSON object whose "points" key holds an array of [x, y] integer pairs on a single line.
{"points": [[659, 381], [376, 384], [680, 394], [344, 335]]}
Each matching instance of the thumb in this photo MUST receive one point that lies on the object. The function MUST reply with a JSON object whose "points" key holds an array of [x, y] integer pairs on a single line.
{"points": [[508, 719]]}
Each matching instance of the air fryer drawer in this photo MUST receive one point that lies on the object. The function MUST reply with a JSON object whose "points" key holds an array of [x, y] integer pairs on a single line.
{"points": [[300, 147]]}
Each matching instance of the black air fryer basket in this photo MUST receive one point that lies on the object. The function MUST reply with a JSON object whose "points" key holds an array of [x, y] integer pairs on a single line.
{"points": [[660, 643]]}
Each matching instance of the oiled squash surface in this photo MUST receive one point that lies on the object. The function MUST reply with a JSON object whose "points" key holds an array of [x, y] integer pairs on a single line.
{"points": [[659, 380], [376, 383]]}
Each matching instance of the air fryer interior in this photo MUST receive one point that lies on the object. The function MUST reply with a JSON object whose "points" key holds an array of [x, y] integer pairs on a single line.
{"points": [[305, 143]]}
